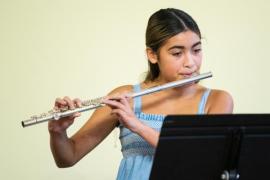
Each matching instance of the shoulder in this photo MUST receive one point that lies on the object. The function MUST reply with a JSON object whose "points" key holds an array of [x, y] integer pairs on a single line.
{"points": [[219, 102], [121, 89]]}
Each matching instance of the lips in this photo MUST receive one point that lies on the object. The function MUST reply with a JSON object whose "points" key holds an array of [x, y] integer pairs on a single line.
{"points": [[187, 74]]}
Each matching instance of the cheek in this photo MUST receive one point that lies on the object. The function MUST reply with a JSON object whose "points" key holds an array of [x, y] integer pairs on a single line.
{"points": [[198, 60], [170, 67]]}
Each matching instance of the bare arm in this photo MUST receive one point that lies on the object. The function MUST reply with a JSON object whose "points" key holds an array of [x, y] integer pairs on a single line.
{"points": [[121, 108], [149, 134], [68, 151], [219, 102]]}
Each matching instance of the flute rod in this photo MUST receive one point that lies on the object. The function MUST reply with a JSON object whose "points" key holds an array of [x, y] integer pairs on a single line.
{"points": [[96, 103], [172, 84]]}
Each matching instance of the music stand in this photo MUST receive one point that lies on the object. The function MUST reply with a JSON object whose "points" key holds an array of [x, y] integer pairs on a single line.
{"points": [[212, 147]]}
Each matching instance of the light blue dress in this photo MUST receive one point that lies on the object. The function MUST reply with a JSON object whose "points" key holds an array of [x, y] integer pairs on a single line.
{"points": [[137, 153]]}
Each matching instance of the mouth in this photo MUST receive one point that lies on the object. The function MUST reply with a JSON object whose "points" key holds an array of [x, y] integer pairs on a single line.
{"points": [[187, 75]]}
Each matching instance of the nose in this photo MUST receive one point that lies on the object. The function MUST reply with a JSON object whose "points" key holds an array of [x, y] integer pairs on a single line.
{"points": [[188, 61]]}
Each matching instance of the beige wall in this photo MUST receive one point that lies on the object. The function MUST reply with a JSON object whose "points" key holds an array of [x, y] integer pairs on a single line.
{"points": [[86, 48]]}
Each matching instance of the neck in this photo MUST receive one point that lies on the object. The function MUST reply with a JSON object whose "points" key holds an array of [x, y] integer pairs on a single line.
{"points": [[187, 90]]}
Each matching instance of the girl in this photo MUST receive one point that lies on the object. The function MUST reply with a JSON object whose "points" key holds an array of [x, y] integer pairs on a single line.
{"points": [[173, 48]]}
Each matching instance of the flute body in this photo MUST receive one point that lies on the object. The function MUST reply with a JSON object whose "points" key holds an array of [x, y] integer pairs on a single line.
{"points": [[96, 103]]}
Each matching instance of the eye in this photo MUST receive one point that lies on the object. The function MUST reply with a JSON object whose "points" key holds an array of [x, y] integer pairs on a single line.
{"points": [[197, 50], [177, 53]]}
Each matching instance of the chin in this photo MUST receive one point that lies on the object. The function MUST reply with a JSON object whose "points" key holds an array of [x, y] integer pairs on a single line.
{"points": [[189, 85]]}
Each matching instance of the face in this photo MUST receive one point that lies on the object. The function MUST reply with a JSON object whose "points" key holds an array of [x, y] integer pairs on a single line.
{"points": [[180, 57]]}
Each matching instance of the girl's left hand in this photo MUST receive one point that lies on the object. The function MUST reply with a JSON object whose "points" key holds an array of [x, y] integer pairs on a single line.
{"points": [[121, 108]]}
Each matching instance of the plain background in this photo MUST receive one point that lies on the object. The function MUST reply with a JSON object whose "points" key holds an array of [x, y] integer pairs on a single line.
{"points": [[86, 48]]}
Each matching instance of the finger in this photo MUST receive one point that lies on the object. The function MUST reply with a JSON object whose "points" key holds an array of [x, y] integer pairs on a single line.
{"points": [[119, 113], [52, 125], [59, 102], [69, 102], [105, 99], [77, 114], [114, 104], [110, 103], [77, 102], [124, 101], [67, 123], [115, 96]]}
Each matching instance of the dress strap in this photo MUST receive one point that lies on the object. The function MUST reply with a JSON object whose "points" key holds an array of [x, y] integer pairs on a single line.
{"points": [[203, 101], [137, 103]]}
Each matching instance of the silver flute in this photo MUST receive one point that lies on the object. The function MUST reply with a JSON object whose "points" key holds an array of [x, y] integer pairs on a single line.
{"points": [[87, 105]]}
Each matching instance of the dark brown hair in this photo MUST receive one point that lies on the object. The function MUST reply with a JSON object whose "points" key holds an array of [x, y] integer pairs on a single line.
{"points": [[163, 25]]}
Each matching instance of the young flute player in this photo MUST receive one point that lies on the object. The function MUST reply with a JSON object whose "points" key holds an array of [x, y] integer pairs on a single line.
{"points": [[174, 51]]}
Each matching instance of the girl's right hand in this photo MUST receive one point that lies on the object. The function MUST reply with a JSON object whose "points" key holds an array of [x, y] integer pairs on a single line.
{"points": [[60, 126]]}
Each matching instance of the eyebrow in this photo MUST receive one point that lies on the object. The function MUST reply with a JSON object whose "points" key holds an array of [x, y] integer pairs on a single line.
{"points": [[183, 47]]}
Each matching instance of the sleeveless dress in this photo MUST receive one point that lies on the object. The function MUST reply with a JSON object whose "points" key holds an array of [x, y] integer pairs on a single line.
{"points": [[137, 153]]}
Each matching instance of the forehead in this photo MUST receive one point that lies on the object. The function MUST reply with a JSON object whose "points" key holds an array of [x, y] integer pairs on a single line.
{"points": [[186, 39]]}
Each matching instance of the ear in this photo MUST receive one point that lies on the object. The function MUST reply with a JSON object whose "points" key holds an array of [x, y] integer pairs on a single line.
{"points": [[151, 55]]}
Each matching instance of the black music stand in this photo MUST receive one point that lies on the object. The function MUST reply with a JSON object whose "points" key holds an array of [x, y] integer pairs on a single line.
{"points": [[213, 147]]}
